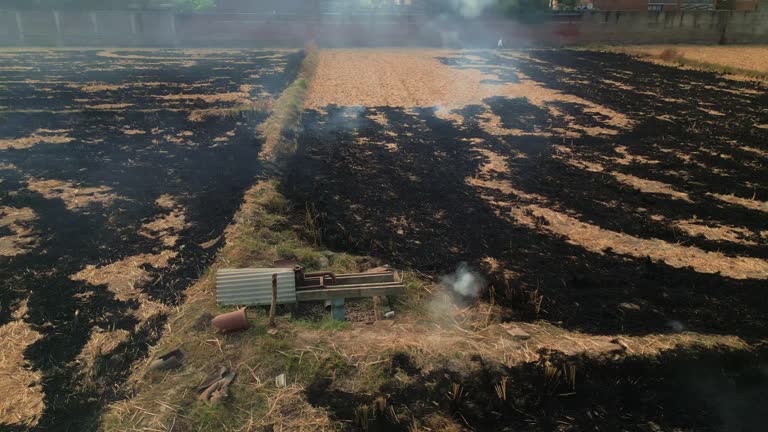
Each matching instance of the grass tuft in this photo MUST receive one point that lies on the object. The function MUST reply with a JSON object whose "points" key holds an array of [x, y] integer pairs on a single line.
{"points": [[670, 54], [261, 231], [327, 323], [281, 129], [201, 115]]}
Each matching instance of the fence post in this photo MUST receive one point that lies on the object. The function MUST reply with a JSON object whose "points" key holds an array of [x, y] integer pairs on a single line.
{"points": [[20, 27], [337, 308], [273, 305]]}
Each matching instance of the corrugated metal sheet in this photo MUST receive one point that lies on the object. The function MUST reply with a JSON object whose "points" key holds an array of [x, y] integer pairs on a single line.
{"points": [[253, 286]]}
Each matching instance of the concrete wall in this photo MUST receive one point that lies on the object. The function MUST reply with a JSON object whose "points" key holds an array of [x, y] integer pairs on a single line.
{"points": [[66, 28], [671, 27], [31, 28]]}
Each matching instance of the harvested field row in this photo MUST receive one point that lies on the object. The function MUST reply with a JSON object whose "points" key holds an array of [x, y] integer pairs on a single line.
{"points": [[606, 195], [37, 80], [119, 171], [419, 78], [558, 191], [615, 208], [750, 57], [622, 238]]}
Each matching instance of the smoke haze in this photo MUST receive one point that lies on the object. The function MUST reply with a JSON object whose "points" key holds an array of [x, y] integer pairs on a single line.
{"points": [[471, 8], [463, 281]]}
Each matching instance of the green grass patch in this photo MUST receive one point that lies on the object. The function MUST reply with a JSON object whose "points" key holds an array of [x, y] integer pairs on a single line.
{"points": [[414, 301], [306, 256], [327, 323], [343, 263], [281, 129], [266, 227]]}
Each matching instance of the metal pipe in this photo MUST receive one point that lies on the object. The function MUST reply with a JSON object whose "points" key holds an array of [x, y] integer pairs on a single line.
{"points": [[299, 273], [299, 288]]}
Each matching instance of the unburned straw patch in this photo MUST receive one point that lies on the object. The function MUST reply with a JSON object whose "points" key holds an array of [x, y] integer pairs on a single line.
{"points": [[717, 232], [446, 80], [74, 197], [38, 137], [446, 190], [650, 186], [22, 401], [101, 342], [98, 248], [750, 58], [109, 106], [167, 226], [17, 234], [601, 241], [126, 277], [749, 203], [238, 97], [628, 158]]}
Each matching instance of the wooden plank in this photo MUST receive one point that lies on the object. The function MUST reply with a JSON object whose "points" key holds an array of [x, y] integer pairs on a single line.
{"points": [[350, 292], [356, 286], [354, 279]]}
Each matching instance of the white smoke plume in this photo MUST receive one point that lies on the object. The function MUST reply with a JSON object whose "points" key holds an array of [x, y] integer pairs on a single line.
{"points": [[464, 281]]}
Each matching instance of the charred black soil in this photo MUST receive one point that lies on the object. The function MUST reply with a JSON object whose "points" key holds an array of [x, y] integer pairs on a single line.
{"points": [[424, 191], [403, 190], [125, 121], [684, 389]]}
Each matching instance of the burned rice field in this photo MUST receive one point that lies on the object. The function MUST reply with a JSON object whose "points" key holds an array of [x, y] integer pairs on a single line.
{"points": [[682, 389], [604, 194], [609, 214], [602, 182], [119, 170]]}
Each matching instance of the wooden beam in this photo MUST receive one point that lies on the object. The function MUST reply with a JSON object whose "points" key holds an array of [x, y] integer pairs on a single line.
{"points": [[273, 306], [350, 292], [355, 279], [347, 286]]}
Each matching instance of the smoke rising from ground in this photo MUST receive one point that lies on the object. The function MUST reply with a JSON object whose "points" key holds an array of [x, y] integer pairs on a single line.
{"points": [[464, 281]]}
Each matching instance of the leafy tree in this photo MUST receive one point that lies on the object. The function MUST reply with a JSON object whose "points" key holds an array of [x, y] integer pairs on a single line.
{"points": [[193, 5], [521, 7], [524, 9], [724, 4], [510, 8], [567, 5]]}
